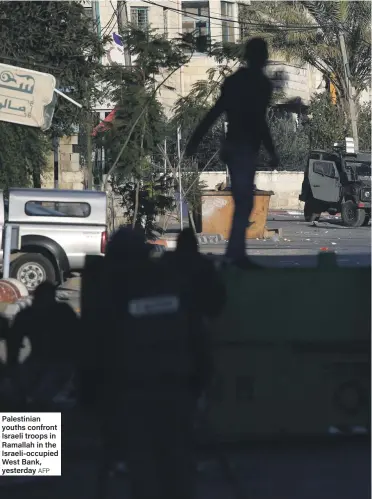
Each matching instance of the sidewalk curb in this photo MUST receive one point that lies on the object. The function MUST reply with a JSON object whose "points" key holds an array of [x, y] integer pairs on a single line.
{"points": [[210, 238], [171, 242], [285, 212]]}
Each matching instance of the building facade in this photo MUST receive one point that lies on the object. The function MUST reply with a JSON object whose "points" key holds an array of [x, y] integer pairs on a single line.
{"points": [[214, 19]]}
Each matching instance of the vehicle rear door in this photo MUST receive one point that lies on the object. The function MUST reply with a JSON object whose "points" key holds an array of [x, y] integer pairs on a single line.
{"points": [[324, 181]]}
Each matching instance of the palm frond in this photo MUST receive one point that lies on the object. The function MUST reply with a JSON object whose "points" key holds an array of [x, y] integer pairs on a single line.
{"points": [[318, 47]]}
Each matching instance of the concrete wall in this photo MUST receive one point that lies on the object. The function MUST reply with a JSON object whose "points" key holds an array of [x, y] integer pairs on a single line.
{"points": [[286, 186], [70, 174]]}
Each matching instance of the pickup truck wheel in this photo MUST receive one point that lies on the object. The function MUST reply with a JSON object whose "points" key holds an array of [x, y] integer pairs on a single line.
{"points": [[31, 269], [310, 211], [352, 216]]}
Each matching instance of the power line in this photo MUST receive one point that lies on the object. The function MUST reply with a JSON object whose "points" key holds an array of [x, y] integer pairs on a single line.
{"points": [[112, 19], [108, 26]]}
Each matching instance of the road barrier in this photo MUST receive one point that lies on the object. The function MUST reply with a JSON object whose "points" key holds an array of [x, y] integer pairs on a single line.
{"points": [[292, 352]]}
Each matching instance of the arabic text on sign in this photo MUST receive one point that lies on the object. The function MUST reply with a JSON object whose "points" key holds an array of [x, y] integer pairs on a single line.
{"points": [[11, 105], [19, 82]]}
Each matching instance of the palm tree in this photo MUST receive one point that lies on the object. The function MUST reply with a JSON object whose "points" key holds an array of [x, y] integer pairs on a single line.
{"points": [[309, 32]]}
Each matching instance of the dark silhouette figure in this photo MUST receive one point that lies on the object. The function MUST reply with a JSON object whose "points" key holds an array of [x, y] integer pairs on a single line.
{"points": [[151, 367], [208, 300], [208, 289], [126, 257], [4, 335], [244, 99], [52, 329]]}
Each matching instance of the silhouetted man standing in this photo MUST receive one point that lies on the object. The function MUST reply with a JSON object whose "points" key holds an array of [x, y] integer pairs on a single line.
{"points": [[245, 97]]}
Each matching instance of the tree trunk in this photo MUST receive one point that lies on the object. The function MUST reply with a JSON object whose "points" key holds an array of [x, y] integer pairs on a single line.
{"points": [[192, 221], [36, 180], [136, 199]]}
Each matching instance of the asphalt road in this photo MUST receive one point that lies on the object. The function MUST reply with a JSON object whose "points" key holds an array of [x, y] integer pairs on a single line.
{"points": [[301, 242], [299, 246]]}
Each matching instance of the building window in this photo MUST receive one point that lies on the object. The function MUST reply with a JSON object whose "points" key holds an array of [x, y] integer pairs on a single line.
{"points": [[195, 21], [242, 15], [89, 12], [140, 17], [228, 35]]}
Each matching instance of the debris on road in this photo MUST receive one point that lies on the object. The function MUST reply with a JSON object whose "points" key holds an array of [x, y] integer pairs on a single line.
{"points": [[275, 238]]}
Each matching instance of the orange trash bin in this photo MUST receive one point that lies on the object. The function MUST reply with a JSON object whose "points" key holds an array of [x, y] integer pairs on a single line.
{"points": [[217, 209]]}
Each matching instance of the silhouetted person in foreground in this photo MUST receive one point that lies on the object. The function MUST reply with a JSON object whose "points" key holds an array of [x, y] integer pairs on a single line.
{"points": [[126, 259], [209, 291], [52, 329], [4, 335], [151, 364], [209, 297], [244, 99]]}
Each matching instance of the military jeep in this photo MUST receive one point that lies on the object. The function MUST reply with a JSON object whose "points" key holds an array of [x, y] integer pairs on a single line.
{"points": [[338, 182]]}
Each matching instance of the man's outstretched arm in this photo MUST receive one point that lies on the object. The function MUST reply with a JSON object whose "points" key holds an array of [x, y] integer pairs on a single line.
{"points": [[203, 127]]}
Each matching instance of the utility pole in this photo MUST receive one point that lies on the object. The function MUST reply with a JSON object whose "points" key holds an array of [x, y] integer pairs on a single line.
{"points": [[56, 161], [180, 175], [122, 24], [165, 156], [88, 123], [56, 154], [165, 22], [350, 91], [89, 150]]}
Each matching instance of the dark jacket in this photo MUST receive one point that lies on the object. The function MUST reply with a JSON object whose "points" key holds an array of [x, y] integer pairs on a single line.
{"points": [[52, 331]]}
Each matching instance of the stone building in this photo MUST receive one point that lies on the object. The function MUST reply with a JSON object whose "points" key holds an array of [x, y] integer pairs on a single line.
{"points": [[213, 19], [70, 173]]}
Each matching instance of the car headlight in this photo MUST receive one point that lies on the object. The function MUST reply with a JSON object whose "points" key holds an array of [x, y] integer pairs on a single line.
{"points": [[367, 194]]}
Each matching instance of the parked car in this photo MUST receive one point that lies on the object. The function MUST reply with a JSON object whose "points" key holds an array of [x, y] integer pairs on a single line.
{"points": [[57, 229]]}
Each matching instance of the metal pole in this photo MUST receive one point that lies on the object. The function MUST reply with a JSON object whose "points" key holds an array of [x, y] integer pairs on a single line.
{"points": [[350, 93], [89, 151], [7, 246], [56, 162], [225, 126], [165, 155], [122, 24], [165, 22], [179, 175], [67, 98]]}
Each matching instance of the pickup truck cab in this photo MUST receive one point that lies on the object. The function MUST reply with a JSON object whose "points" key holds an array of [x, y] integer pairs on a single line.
{"points": [[57, 229]]}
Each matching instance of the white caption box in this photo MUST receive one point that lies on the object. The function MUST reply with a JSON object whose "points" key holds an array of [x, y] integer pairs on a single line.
{"points": [[30, 444]]}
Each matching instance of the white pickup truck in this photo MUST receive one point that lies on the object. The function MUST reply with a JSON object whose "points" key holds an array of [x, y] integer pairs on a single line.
{"points": [[55, 230]]}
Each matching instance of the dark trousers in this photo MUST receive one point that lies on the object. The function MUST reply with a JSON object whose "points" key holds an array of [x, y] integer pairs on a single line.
{"points": [[159, 444], [241, 162]]}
